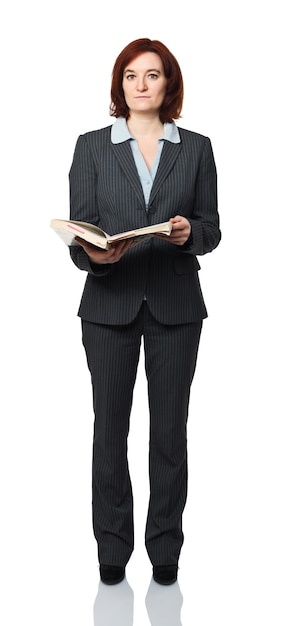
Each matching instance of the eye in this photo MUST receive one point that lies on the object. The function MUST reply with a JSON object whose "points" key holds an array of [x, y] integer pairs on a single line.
{"points": [[130, 76], [152, 75]]}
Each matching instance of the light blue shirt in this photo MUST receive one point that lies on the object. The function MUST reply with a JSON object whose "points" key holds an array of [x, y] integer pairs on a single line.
{"points": [[121, 133]]}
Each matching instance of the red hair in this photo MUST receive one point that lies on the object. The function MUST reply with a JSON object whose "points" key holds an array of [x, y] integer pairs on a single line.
{"points": [[173, 99]]}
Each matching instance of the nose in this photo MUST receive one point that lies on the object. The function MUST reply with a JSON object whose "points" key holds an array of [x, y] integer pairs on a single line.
{"points": [[141, 83]]}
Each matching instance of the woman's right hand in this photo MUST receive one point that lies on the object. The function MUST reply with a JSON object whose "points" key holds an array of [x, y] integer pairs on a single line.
{"points": [[104, 257]]}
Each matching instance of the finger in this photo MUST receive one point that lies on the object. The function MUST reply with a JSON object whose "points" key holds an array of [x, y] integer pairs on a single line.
{"points": [[179, 225]]}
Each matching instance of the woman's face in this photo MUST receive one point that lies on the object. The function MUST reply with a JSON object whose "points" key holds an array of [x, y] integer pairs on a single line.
{"points": [[144, 84]]}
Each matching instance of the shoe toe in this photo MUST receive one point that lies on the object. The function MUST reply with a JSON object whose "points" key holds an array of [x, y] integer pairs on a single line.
{"points": [[165, 574], [111, 574]]}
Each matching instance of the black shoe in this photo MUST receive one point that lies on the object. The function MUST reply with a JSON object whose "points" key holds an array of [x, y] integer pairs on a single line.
{"points": [[111, 574], [165, 574]]}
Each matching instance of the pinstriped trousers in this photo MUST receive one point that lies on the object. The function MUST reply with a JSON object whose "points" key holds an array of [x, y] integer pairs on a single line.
{"points": [[170, 359]]}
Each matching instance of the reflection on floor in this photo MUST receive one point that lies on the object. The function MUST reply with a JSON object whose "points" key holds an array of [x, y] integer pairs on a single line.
{"points": [[114, 605]]}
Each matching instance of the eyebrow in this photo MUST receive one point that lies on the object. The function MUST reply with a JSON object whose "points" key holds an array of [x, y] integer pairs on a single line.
{"points": [[150, 70]]}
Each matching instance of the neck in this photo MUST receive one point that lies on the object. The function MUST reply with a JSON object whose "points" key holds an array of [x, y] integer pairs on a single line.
{"points": [[145, 126]]}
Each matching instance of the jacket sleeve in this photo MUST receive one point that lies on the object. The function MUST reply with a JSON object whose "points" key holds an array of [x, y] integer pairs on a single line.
{"points": [[83, 203], [205, 232]]}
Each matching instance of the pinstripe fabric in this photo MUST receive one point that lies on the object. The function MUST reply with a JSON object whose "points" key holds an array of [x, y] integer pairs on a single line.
{"points": [[105, 190], [170, 358]]}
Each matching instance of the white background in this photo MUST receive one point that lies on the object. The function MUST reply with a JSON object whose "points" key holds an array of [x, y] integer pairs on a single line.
{"points": [[237, 561]]}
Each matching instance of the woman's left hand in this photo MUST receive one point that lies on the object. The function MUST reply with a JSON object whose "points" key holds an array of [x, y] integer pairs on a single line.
{"points": [[180, 232]]}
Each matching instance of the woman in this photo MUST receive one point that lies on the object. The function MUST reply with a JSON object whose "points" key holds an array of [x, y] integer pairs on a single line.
{"points": [[143, 170]]}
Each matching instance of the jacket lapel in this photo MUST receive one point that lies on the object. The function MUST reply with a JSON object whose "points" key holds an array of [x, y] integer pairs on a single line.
{"points": [[169, 155], [126, 161]]}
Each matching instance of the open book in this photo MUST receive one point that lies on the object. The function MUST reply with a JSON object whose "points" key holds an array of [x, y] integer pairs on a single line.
{"points": [[68, 230]]}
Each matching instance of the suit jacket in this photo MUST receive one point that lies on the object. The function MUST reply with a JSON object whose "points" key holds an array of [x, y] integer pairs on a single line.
{"points": [[105, 190]]}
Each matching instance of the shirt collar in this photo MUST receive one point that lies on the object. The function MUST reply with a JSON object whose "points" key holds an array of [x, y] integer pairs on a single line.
{"points": [[121, 133]]}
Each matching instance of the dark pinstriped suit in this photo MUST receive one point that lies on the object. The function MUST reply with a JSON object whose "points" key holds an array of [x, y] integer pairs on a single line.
{"points": [[105, 190]]}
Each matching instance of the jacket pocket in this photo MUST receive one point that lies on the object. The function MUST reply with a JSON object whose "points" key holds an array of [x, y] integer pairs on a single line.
{"points": [[186, 264]]}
